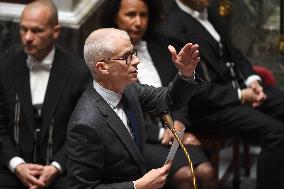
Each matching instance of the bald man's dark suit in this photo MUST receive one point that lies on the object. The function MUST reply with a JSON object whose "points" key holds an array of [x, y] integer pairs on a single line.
{"points": [[216, 107], [101, 153], [68, 78]]}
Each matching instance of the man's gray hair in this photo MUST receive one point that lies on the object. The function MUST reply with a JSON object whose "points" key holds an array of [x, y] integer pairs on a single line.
{"points": [[100, 44]]}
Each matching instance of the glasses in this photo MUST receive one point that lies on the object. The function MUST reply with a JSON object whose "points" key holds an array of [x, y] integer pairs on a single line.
{"points": [[127, 57]]}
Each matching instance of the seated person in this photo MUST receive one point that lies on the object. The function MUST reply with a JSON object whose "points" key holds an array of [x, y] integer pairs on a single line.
{"points": [[38, 92], [139, 18], [232, 102]]}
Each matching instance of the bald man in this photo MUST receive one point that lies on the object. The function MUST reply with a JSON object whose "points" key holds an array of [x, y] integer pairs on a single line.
{"points": [[106, 134], [38, 91]]}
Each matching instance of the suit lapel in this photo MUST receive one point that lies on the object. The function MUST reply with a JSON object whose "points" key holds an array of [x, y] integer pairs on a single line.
{"points": [[115, 123], [21, 79], [118, 127], [57, 80]]}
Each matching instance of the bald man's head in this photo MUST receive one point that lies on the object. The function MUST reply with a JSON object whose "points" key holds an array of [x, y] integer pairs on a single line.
{"points": [[44, 4], [111, 58], [39, 28], [101, 44]]}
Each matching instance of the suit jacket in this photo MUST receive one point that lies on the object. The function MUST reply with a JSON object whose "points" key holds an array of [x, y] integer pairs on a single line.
{"points": [[68, 78], [100, 151], [218, 91]]}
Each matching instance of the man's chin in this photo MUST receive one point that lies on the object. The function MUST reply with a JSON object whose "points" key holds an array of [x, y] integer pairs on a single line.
{"points": [[29, 51], [134, 79]]}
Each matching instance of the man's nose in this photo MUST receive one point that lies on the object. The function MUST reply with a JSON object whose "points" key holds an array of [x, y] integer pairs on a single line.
{"points": [[135, 60], [28, 36]]}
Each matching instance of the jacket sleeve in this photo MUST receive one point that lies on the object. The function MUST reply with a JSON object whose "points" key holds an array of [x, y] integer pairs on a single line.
{"points": [[178, 93], [8, 147]]}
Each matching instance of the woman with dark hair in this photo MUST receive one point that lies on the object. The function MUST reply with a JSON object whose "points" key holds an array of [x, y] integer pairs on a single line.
{"points": [[154, 16], [139, 18]]}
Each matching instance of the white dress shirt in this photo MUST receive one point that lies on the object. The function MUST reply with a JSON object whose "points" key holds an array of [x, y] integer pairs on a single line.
{"points": [[39, 77], [147, 73]]}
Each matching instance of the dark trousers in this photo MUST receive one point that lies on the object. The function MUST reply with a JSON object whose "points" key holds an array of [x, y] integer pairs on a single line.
{"points": [[263, 126]]}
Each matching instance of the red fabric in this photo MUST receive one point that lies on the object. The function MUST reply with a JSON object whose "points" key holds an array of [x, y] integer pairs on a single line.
{"points": [[266, 75]]}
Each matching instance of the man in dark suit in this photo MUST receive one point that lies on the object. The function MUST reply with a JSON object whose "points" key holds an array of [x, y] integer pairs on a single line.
{"points": [[105, 136], [38, 92], [233, 101]]}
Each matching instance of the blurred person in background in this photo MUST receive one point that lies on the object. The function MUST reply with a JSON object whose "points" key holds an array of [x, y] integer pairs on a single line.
{"points": [[39, 88], [232, 101]]}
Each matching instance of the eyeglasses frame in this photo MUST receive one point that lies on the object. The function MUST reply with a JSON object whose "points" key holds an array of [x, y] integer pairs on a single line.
{"points": [[133, 52]]}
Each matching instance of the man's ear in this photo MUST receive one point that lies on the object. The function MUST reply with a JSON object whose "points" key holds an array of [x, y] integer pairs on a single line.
{"points": [[101, 67], [56, 31]]}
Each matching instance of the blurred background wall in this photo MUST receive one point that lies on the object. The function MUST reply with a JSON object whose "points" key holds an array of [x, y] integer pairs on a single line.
{"points": [[254, 28]]}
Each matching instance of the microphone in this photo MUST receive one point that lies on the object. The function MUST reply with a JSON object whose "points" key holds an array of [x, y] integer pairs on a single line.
{"points": [[163, 109]]}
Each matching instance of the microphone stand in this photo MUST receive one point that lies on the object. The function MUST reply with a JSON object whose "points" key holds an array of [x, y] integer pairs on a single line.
{"points": [[170, 124]]}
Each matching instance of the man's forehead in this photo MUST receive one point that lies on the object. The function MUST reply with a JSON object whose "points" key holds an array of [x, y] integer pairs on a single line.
{"points": [[122, 46], [40, 15]]}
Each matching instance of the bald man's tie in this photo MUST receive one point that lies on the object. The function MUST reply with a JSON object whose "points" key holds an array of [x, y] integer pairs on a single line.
{"points": [[132, 119]]}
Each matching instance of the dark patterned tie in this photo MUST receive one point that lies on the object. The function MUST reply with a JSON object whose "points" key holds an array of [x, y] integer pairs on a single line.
{"points": [[132, 120]]}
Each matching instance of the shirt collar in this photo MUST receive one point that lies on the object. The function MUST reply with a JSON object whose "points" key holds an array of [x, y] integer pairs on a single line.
{"points": [[47, 60], [111, 97], [203, 15]]}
